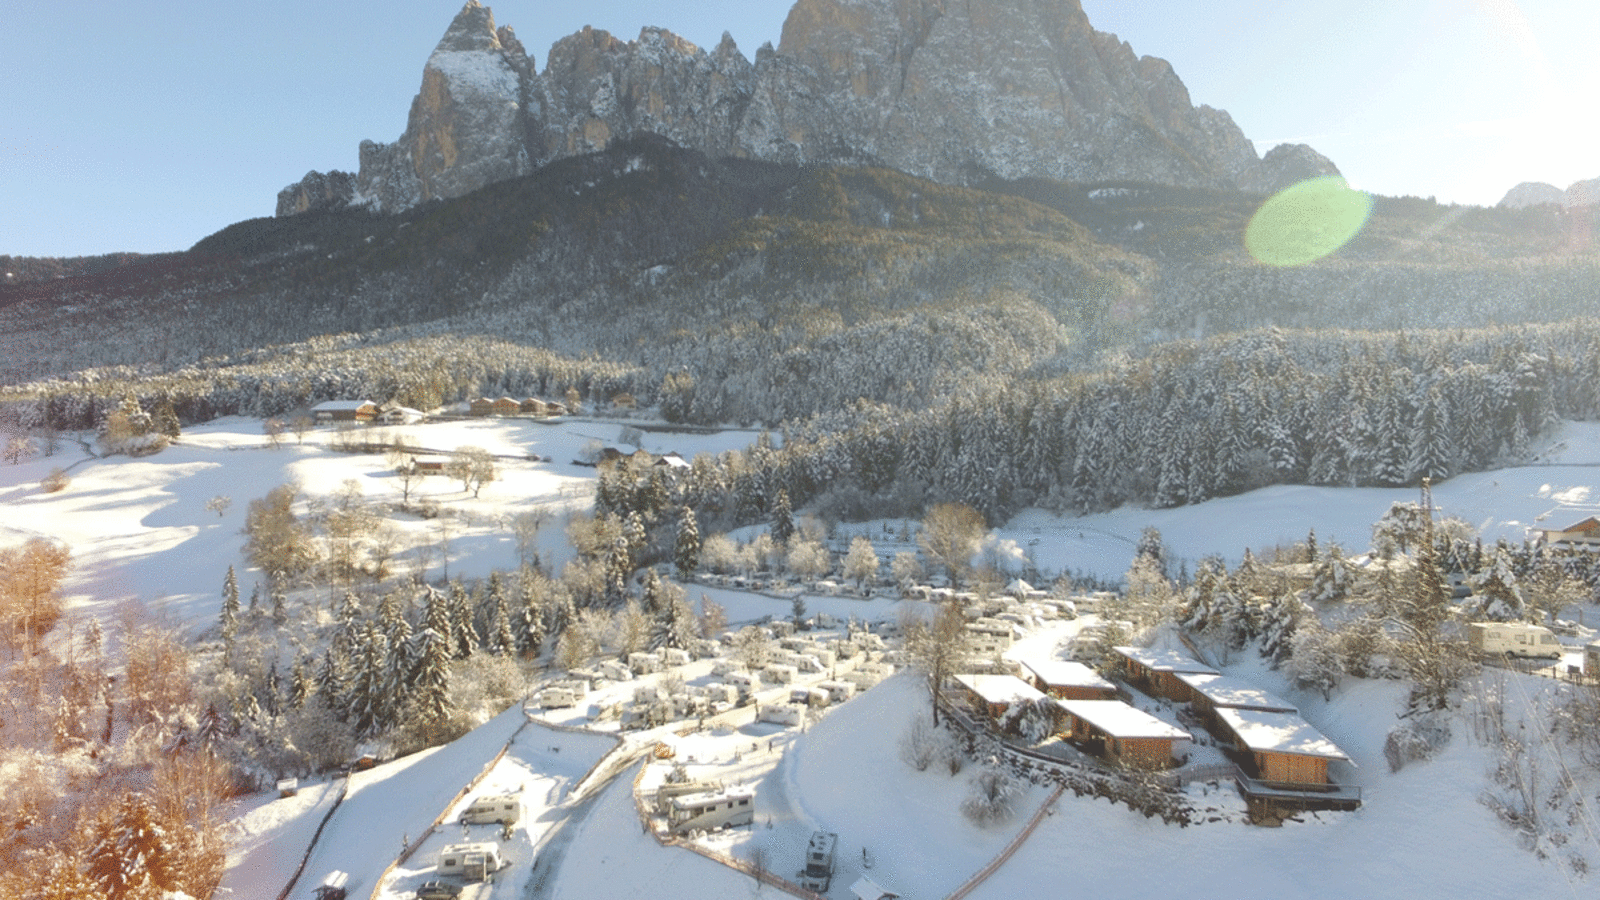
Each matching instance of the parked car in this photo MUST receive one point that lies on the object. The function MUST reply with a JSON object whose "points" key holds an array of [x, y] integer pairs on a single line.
{"points": [[438, 890]]}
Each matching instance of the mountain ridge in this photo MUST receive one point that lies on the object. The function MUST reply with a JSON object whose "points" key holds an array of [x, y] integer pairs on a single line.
{"points": [[911, 85]]}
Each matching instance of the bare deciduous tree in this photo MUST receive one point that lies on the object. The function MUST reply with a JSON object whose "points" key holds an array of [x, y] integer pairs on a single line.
{"points": [[937, 648], [950, 534]]}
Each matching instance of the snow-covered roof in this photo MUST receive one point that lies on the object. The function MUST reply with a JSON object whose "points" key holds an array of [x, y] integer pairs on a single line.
{"points": [[1120, 720], [1164, 660], [1225, 691], [712, 797], [999, 688], [1279, 732], [1066, 673], [865, 889]]}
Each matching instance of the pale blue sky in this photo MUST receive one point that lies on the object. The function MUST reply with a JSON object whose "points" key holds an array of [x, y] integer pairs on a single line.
{"points": [[144, 127]]}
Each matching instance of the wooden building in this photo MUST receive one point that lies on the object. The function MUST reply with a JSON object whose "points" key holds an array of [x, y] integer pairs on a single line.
{"points": [[1209, 693], [1066, 680], [1156, 671], [481, 406], [344, 411], [533, 406], [996, 693], [507, 406], [1286, 750], [1585, 534], [1123, 735]]}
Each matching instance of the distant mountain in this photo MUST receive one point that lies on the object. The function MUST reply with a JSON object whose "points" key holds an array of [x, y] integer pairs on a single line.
{"points": [[954, 92], [1537, 193]]}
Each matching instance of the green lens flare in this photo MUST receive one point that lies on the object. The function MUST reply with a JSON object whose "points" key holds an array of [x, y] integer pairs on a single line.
{"points": [[1303, 223]]}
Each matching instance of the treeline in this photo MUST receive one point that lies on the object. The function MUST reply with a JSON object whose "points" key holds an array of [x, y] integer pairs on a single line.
{"points": [[1189, 422]]}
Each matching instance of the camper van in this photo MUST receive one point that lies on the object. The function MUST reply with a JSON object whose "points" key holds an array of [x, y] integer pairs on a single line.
{"points": [[558, 697], [746, 683], [710, 810], [786, 714], [473, 862], [838, 691], [806, 696], [818, 872], [502, 810], [778, 673], [1513, 639]]}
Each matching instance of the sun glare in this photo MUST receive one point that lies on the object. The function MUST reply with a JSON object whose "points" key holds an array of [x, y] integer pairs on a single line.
{"points": [[1307, 221]]}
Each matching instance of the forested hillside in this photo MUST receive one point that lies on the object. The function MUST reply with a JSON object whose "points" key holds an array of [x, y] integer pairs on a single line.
{"points": [[1076, 346]]}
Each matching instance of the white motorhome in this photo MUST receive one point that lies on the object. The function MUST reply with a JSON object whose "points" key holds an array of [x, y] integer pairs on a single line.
{"points": [[806, 696], [558, 696], [711, 810], [778, 673], [786, 714], [473, 862], [746, 683], [818, 873], [671, 790], [838, 691], [503, 809], [1513, 639]]}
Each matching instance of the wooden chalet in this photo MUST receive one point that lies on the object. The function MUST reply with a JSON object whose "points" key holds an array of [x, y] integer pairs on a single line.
{"points": [[400, 415], [1286, 750], [1585, 534], [995, 694], [672, 462], [344, 411], [427, 465], [1121, 734], [481, 406], [1209, 693], [1067, 680], [1156, 671], [533, 406], [507, 406], [623, 400]]}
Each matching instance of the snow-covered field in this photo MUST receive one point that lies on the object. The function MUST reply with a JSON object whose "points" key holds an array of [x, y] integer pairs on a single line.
{"points": [[141, 529]]}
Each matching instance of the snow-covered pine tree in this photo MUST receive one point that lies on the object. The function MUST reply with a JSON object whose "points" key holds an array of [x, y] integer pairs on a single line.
{"points": [[229, 624], [502, 639], [1331, 577], [1283, 616], [300, 686], [368, 700], [650, 594], [333, 679], [272, 690], [129, 854], [633, 531], [782, 518], [1431, 453], [677, 626], [1496, 594], [430, 680], [1210, 579], [280, 609], [463, 627], [686, 548]]}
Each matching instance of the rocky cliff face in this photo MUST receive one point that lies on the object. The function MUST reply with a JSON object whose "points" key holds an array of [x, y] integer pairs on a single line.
{"points": [[953, 91], [1537, 193], [318, 190]]}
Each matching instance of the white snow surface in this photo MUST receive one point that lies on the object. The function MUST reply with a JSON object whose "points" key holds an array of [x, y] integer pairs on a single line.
{"points": [[138, 528]]}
